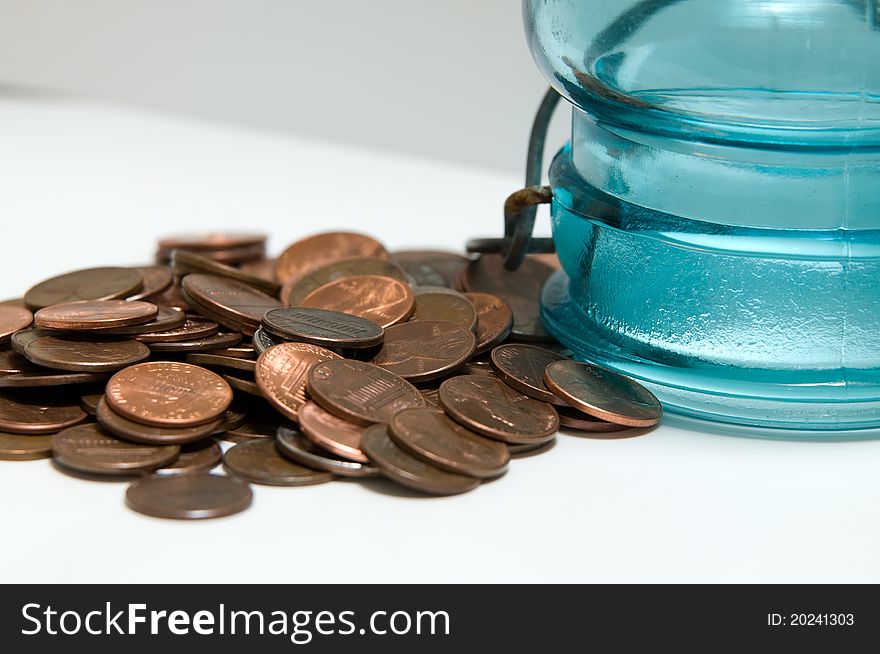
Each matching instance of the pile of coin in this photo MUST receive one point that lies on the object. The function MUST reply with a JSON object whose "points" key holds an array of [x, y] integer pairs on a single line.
{"points": [[336, 360]]}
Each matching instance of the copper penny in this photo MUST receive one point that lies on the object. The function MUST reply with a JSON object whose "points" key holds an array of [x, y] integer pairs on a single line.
{"points": [[243, 384], [165, 319], [218, 341], [172, 297], [89, 402], [447, 305], [433, 437], [78, 355], [361, 392], [263, 340], [603, 393], [524, 450], [17, 447], [13, 319], [259, 424], [46, 378], [296, 447], [422, 273], [95, 314], [194, 328], [260, 462], [129, 430], [494, 320], [262, 268], [156, 280], [168, 394], [282, 372], [384, 300], [522, 366], [341, 437], [216, 361], [424, 350], [35, 412], [194, 458], [477, 367], [571, 418], [229, 256], [401, 467], [311, 253], [233, 303], [240, 351], [90, 284], [490, 407], [12, 362], [212, 241], [88, 448], [520, 288], [189, 497], [184, 262], [448, 264], [20, 340], [432, 396], [322, 327], [295, 291]]}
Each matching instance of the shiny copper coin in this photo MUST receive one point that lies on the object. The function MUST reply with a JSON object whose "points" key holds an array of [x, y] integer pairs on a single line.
{"points": [[165, 319], [17, 447], [129, 430], [91, 284], [490, 407], [282, 372], [37, 412], [426, 349], [168, 394], [194, 328], [95, 314], [571, 418], [401, 467], [448, 306], [90, 449], [603, 393], [522, 367], [263, 340], [209, 360], [384, 300], [189, 497], [13, 319], [361, 392], [520, 288], [296, 447], [260, 462], [341, 437], [78, 355], [230, 299], [157, 279], [184, 262], [448, 264], [494, 320], [212, 241], [296, 290], [194, 458], [433, 437], [311, 253], [218, 341], [322, 327]]}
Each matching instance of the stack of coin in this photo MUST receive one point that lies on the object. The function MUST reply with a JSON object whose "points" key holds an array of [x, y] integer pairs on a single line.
{"points": [[337, 359]]}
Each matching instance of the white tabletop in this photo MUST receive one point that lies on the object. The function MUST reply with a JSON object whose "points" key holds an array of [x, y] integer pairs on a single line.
{"points": [[85, 184]]}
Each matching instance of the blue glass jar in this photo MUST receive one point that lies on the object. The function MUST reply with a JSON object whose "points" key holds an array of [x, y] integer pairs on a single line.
{"points": [[717, 211]]}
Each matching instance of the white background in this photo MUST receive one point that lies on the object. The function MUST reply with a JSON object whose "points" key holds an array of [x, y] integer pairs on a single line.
{"points": [[86, 184]]}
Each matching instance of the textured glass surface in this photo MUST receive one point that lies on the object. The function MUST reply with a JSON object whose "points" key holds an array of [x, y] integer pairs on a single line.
{"points": [[717, 211]]}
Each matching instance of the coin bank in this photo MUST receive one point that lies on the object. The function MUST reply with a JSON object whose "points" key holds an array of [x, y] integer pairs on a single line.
{"points": [[716, 210]]}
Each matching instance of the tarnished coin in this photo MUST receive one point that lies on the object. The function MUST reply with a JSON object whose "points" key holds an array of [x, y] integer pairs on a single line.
{"points": [[240, 351], [296, 447], [11, 362], [384, 300], [432, 396], [603, 393], [189, 497], [95, 314], [433, 437], [38, 412], [88, 448], [229, 299], [263, 340], [218, 341], [172, 297], [522, 366], [322, 327], [242, 383], [448, 264], [165, 319], [295, 291], [520, 288], [78, 355], [571, 418], [90, 284], [194, 458], [262, 268], [156, 280], [406, 470], [184, 262], [338, 436], [13, 319], [260, 423], [426, 349], [312, 253], [89, 401], [446, 305], [209, 360], [490, 407], [20, 340], [129, 430], [168, 394], [423, 274], [260, 462], [48, 378], [494, 320], [212, 241], [282, 372], [524, 450], [194, 328], [17, 447], [361, 392]]}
